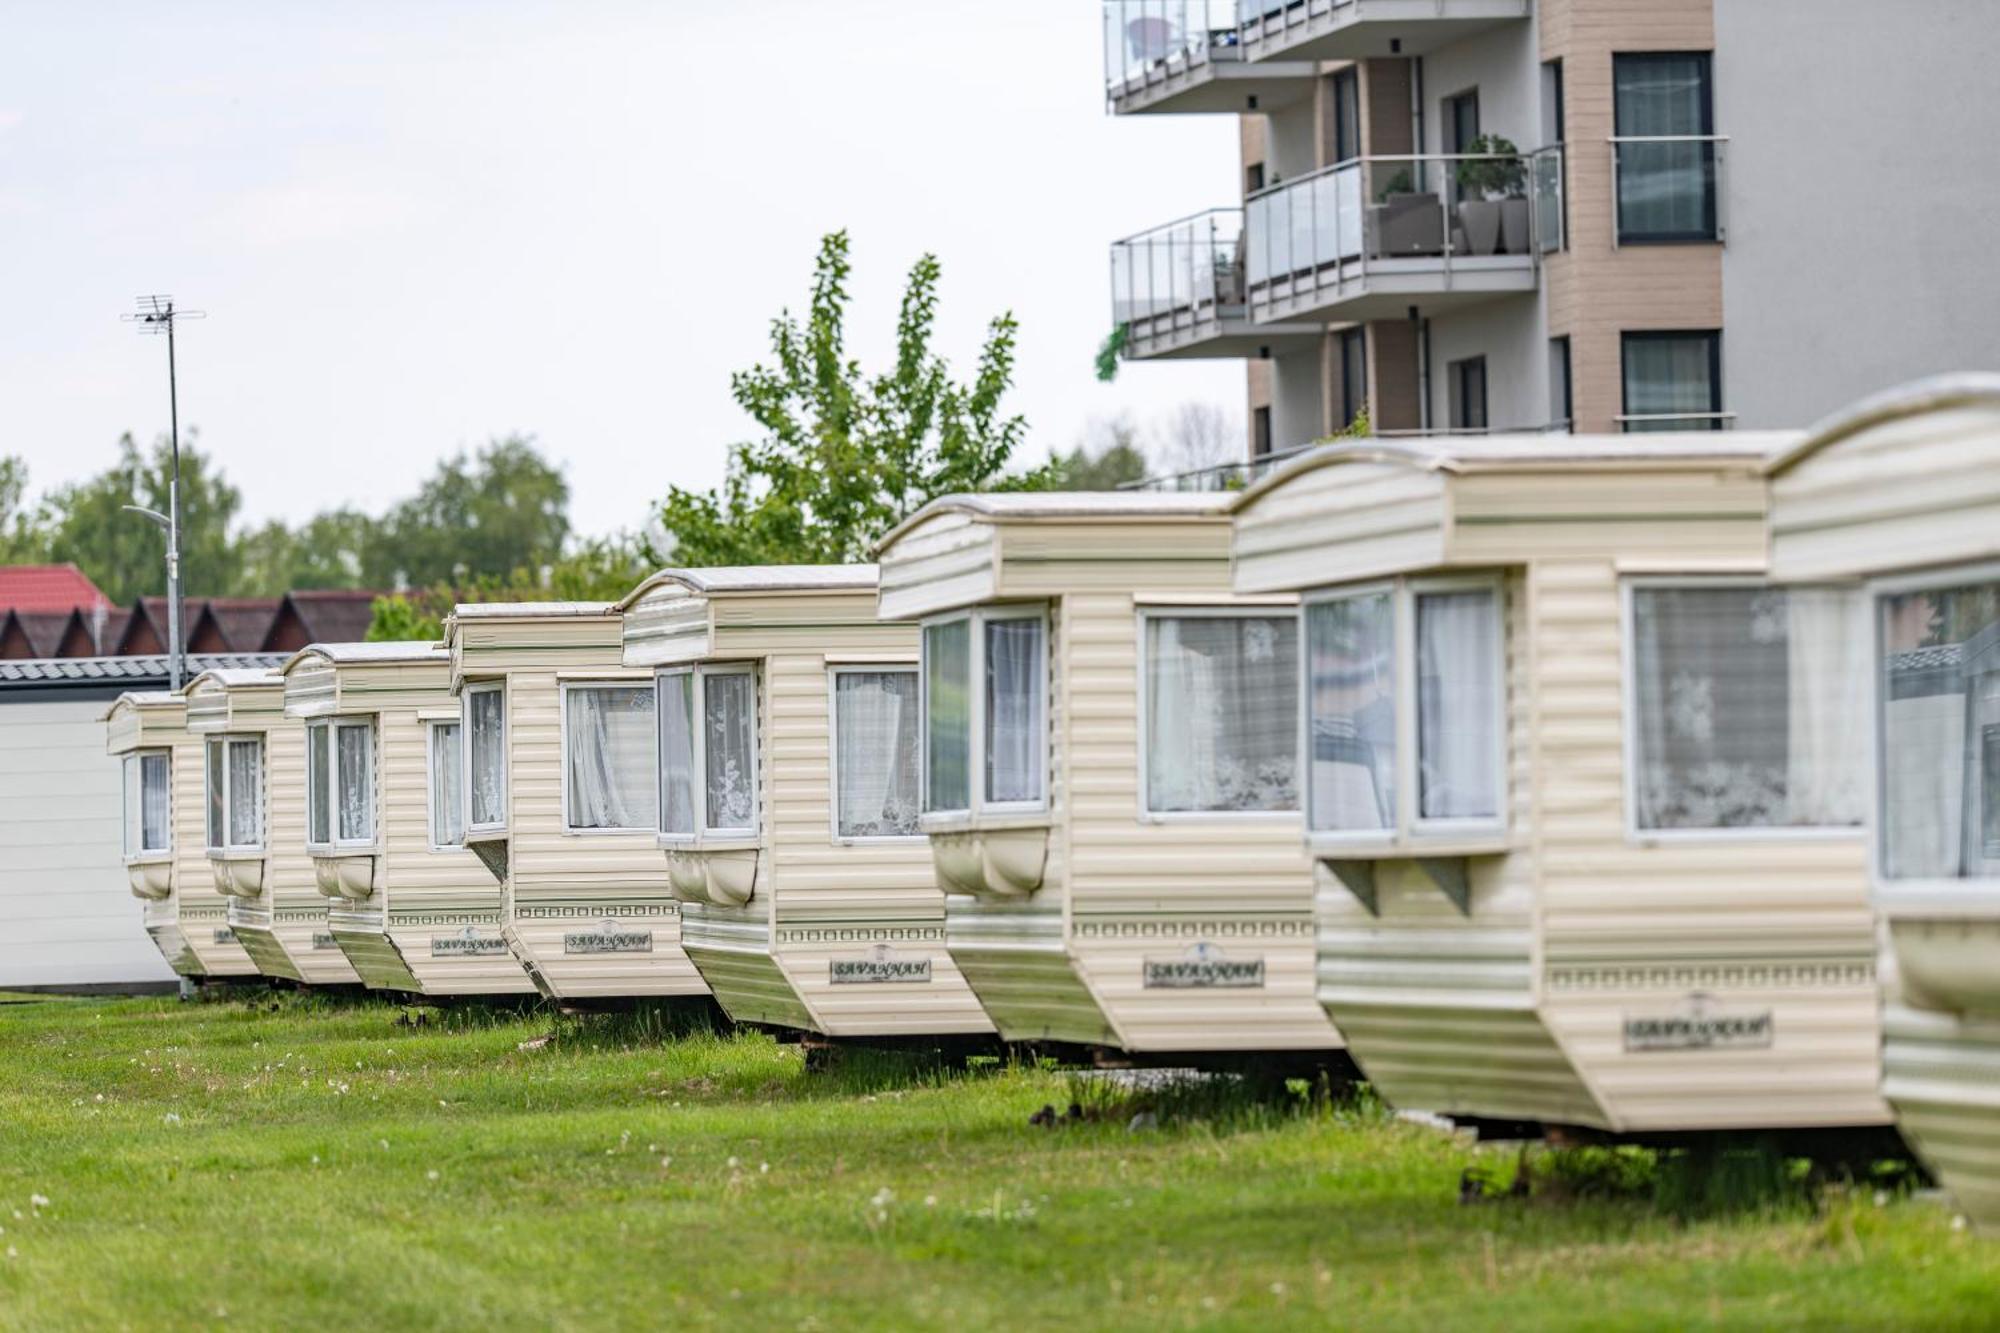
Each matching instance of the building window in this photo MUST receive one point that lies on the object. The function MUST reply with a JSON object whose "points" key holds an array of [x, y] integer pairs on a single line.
{"points": [[999, 657], [1260, 432], [1747, 707], [1353, 375], [1666, 180], [1346, 115], [877, 759], [340, 780], [1460, 128], [708, 751], [1221, 713], [1938, 814], [1562, 409], [1467, 383], [1253, 178], [610, 776], [235, 794], [485, 723], [447, 784], [1673, 381], [1359, 687], [148, 804]]}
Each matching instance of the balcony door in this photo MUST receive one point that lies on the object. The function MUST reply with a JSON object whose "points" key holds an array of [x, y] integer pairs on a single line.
{"points": [[1664, 119]]}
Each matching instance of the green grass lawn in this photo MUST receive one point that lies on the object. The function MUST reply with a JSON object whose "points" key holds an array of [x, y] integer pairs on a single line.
{"points": [[314, 1164]]}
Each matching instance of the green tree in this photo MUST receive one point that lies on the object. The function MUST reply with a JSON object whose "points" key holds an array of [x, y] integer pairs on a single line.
{"points": [[504, 509], [843, 457], [329, 551], [602, 569], [22, 539], [1104, 463], [124, 554]]}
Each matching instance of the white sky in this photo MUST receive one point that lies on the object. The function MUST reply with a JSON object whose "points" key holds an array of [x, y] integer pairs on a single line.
{"points": [[414, 226]]}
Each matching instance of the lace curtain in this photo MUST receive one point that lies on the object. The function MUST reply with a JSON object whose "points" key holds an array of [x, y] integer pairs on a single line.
{"points": [[147, 804], [1458, 693], [447, 786], [1351, 712], [1221, 713], [875, 753], [246, 806], [677, 782], [1940, 755], [487, 757], [357, 808], [729, 713], [319, 793], [1015, 731], [948, 716], [612, 775]]}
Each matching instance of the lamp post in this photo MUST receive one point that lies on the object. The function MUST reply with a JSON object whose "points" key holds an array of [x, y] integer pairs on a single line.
{"points": [[156, 314]]}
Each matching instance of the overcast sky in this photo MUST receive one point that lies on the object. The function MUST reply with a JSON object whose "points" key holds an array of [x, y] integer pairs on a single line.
{"points": [[415, 226]]}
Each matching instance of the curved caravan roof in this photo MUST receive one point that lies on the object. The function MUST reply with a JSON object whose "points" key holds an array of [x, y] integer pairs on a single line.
{"points": [[1373, 508], [326, 678], [963, 549], [492, 638], [1903, 480], [232, 699], [684, 615], [141, 718]]}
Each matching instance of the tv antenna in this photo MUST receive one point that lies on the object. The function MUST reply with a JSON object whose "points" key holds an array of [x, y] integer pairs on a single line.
{"points": [[157, 314]]}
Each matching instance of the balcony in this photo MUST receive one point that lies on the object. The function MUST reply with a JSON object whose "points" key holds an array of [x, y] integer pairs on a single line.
{"points": [[1177, 291], [1187, 56], [1356, 29], [1371, 237]]}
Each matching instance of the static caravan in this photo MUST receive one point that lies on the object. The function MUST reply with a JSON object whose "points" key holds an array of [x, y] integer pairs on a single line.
{"points": [[162, 840], [409, 906], [560, 789], [253, 775], [1903, 492], [1589, 849], [788, 811], [1109, 785]]}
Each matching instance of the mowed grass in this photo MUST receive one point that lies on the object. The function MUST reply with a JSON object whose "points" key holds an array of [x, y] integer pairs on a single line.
{"points": [[300, 1163]]}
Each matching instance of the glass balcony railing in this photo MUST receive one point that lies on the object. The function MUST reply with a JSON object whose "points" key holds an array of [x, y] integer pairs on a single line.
{"points": [[1178, 278], [1147, 40], [1667, 188]]}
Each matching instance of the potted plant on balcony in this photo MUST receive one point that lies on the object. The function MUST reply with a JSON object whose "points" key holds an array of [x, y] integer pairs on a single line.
{"points": [[1493, 203]]}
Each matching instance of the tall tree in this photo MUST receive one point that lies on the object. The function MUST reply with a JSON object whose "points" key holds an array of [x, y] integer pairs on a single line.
{"points": [[506, 508], [22, 539], [123, 553], [1106, 458], [329, 551], [844, 457]]}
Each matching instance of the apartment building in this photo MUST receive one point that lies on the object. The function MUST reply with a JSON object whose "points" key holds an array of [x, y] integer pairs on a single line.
{"points": [[1597, 215]]}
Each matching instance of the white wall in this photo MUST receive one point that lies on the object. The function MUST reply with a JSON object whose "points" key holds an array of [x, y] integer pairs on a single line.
{"points": [[1290, 147], [1860, 198], [67, 914], [1296, 413], [1504, 64], [1509, 333]]}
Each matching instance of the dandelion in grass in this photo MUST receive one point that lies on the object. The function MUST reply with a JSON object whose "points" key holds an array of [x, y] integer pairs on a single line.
{"points": [[171, 1117], [430, 1175], [38, 1201]]}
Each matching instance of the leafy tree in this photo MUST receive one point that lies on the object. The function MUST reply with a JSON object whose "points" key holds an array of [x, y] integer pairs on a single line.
{"points": [[601, 570], [1106, 461], [22, 540], [399, 618], [843, 457], [504, 509], [329, 551], [124, 554]]}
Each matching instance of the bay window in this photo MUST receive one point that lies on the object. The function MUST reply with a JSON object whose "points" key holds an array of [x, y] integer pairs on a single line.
{"points": [[148, 805], [485, 737], [1748, 707], [1220, 713], [610, 777], [235, 777], [446, 765], [876, 754], [992, 756], [340, 783], [1938, 703], [1398, 670], [707, 752]]}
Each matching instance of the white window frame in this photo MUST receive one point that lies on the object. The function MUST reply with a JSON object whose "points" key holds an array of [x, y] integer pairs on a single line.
{"points": [[432, 748], [562, 707], [465, 697], [327, 785], [1148, 815], [833, 674], [700, 673], [1411, 828], [978, 618], [228, 740], [1959, 895], [133, 815], [1628, 648]]}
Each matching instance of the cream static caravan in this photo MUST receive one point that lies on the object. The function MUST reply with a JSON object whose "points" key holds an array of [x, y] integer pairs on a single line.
{"points": [[1109, 772], [254, 803], [789, 770], [164, 849], [410, 908], [1903, 491], [560, 789], [1580, 861]]}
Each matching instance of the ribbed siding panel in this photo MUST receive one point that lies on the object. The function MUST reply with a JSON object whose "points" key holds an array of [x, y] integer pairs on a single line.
{"points": [[732, 950], [199, 908], [1338, 524], [946, 561], [666, 625], [1942, 1073], [1014, 957]]}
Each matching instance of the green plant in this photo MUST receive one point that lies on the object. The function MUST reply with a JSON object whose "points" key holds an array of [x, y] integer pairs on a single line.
{"points": [[1399, 183], [1493, 169], [1108, 352]]}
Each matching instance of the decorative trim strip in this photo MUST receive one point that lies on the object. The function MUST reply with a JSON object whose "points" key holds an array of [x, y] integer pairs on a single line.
{"points": [[660, 911], [1189, 928], [1685, 976], [861, 935]]}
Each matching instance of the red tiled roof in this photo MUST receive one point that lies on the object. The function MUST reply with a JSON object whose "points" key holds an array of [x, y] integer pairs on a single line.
{"points": [[47, 588]]}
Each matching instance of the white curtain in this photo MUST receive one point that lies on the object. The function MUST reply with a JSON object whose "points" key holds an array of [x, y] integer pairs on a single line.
{"points": [[948, 719], [246, 806], [319, 790], [677, 754], [1826, 780], [447, 790], [1221, 715], [1458, 698], [218, 831], [1015, 683], [155, 808], [612, 774], [357, 809], [875, 753], [1351, 680], [729, 713], [484, 715]]}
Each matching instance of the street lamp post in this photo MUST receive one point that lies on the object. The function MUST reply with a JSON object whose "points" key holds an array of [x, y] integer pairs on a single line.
{"points": [[156, 314]]}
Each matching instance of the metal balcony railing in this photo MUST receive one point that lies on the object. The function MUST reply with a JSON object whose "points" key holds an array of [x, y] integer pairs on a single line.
{"points": [[1147, 40], [1667, 188], [1179, 277]]}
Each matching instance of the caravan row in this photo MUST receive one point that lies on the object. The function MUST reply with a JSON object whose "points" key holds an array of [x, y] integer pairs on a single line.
{"points": [[1642, 785]]}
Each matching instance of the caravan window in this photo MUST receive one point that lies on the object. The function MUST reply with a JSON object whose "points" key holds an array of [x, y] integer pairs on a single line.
{"points": [[1939, 705], [235, 793], [485, 728], [609, 775], [447, 786], [340, 783], [1221, 713], [999, 657], [876, 759], [1747, 706], [148, 804], [707, 751]]}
